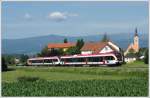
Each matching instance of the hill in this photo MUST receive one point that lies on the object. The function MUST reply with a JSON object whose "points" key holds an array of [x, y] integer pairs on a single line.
{"points": [[35, 44]]}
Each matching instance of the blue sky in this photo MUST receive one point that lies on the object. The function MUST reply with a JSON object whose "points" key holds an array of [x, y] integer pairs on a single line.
{"points": [[30, 19]]}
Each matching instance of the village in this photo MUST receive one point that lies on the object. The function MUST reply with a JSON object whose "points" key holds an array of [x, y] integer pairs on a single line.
{"points": [[106, 45]]}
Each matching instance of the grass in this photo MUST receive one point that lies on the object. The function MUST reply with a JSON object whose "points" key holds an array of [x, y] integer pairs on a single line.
{"points": [[137, 64], [74, 73], [57, 74], [126, 80]]}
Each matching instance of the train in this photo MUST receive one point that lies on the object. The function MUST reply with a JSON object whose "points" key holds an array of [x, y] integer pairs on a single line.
{"points": [[109, 59]]}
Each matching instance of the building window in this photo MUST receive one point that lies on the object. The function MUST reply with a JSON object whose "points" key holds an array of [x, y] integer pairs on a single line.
{"points": [[106, 48]]}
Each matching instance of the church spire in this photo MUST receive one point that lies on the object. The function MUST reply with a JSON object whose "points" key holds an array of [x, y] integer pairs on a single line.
{"points": [[135, 32]]}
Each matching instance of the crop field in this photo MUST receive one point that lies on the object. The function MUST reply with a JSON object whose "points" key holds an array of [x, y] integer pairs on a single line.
{"points": [[125, 80], [133, 87]]}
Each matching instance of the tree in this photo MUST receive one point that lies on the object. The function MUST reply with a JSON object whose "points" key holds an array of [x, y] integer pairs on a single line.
{"points": [[45, 52], [9, 59], [105, 38], [55, 52], [142, 51], [76, 49], [146, 59], [65, 40], [72, 51], [79, 43], [39, 54], [23, 58], [131, 51], [4, 65]]}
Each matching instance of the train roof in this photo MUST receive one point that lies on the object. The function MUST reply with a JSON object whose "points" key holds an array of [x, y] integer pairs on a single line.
{"points": [[54, 57], [74, 56], [86, 55]]}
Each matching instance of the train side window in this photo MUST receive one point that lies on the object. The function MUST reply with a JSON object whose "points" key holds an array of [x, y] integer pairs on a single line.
{"points": [[68, 60], [90, 59], [55, 60], [95, 59], [80, 60], [37, 61], [101, 59], [62, 60], [47, 61]]}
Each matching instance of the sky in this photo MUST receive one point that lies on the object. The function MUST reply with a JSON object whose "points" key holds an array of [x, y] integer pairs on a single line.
{"points": [[31, 19]]}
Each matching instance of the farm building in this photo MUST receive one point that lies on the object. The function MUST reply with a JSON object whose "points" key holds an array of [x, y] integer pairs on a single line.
{"points": [[63, 46], [99, 47]]}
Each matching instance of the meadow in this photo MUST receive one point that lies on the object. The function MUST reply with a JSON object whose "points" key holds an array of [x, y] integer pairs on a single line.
{"points": [[126, 80]]}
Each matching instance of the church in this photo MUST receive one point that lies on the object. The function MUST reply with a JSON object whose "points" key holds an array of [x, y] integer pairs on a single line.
{"points": [[133, 47]]}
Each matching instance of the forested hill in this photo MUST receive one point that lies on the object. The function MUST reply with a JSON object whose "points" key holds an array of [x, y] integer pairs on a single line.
{"points": [[35, 44]]}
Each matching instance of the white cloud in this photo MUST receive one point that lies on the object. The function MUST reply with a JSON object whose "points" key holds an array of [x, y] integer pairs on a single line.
{"points": [[27, 16], [57, 16], [60, 16], [70, 14]]}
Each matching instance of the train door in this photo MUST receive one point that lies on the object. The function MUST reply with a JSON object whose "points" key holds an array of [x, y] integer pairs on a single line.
{"points": [[103, 60]]}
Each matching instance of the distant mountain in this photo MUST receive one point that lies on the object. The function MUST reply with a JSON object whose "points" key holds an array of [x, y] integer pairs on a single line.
{"points": [[35, 44]]}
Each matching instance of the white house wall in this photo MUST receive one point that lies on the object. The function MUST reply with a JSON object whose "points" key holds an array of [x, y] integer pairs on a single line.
{"points": [[115, 46], [106, 49], [86, 52]]}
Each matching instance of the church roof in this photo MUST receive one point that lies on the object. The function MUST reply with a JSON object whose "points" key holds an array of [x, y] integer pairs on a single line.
{"points": [[136, 34]]}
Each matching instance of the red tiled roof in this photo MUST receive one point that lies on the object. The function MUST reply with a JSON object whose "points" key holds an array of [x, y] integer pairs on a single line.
{"points": [[95, 46], [61, 45]]}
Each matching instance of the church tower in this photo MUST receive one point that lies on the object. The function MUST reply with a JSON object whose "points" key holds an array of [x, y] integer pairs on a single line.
{"points": [[136, 41]]}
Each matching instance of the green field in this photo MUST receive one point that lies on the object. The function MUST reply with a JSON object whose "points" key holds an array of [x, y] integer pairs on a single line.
{"points": [[126, 80]]}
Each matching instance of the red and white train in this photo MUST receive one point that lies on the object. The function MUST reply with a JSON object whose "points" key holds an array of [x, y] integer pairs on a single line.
{"points": [[77, 60]]}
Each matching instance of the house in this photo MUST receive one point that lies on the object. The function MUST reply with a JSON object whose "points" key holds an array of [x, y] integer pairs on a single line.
{"points": [[99, 47], [130, 58], [17, 60], [63, 46], [133, 47]]}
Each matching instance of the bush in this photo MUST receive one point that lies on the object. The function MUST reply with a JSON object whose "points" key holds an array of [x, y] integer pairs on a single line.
{"points": [[27, 79], [4, 65], [146, 57]]}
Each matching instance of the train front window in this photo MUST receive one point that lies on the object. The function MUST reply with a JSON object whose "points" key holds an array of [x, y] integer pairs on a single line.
{"points": [[109, 58], [119, 57]]}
